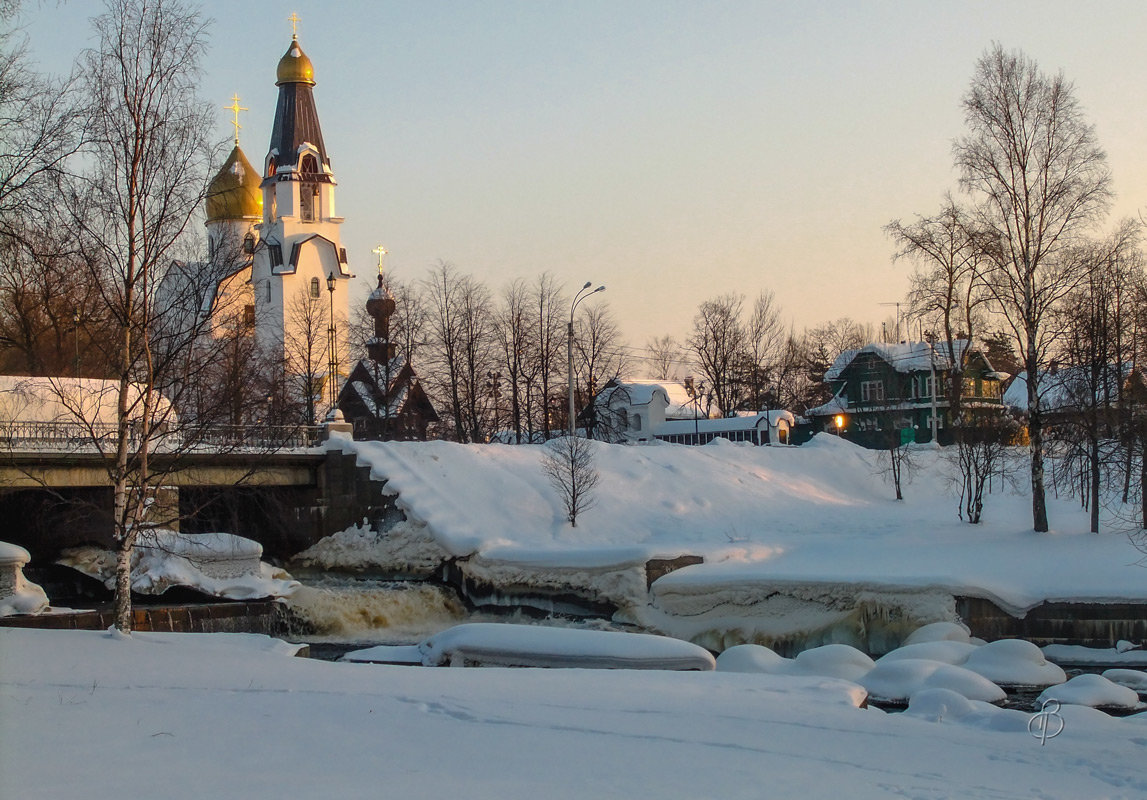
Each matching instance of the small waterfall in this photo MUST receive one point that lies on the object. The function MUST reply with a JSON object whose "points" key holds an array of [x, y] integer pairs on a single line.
{"points": [[380, 612]]}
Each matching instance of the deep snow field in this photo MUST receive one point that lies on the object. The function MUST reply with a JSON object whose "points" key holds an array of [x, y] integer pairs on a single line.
{"points": [[192, 716], [97, 715]]}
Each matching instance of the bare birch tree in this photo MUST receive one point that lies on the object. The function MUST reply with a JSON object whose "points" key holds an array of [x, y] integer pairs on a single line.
{"points": [[568, 462], [150, 154], [1033, 164]]}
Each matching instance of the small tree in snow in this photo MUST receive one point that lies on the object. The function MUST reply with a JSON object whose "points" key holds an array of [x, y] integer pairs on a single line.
{"points": [[568, 462]]}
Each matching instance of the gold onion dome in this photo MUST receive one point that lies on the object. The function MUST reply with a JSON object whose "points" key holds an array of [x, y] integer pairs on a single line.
{"points": [[234, 192], [295, 67]]}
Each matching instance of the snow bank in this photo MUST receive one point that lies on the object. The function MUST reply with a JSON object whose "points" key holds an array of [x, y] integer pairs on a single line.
{"points": [[800, 544], [492, 644], [945, 705], [1077, 654]]}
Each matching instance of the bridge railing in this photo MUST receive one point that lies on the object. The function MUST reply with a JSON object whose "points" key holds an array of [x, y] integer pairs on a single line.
{"points": [[58, 436]]}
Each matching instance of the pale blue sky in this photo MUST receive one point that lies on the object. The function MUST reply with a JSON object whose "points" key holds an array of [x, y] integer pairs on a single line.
{"points": [[671, 150]]}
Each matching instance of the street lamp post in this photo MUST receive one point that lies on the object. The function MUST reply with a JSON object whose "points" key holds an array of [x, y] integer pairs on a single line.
{"points": [[333, 360], [581, 295]]}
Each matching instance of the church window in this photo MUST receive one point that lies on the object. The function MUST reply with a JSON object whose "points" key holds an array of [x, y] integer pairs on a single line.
{"points": [[267, 290], [249, 316], [315, 292], [275, 251], [309, 189]]}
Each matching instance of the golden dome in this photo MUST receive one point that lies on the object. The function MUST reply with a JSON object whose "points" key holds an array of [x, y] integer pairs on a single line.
{"points": [[234, 192], [295, 67]]}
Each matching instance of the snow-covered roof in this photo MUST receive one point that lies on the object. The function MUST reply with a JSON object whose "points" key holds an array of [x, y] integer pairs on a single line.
{"points": [[902, 357], [678, 426], [88, 400], [641, 391]]}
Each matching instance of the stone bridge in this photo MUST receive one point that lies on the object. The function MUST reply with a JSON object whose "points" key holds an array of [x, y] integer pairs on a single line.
{"points": [[283, 488]]}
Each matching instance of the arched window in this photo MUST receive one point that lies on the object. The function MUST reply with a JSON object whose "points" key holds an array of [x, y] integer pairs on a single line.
{"points": [[315, 292], [635, 422], [309, 188]]}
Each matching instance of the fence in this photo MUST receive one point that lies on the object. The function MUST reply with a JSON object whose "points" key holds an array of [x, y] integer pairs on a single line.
{"points": [[56, 436]]}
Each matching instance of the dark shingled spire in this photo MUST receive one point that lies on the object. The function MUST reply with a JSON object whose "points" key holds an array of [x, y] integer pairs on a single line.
{"points": [[296, 117]]}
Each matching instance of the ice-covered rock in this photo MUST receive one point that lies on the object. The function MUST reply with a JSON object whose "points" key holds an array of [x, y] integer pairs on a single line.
{"points": [[1094, 691], [1014, 662], [503, 645], [18, 595], [899, 681]]}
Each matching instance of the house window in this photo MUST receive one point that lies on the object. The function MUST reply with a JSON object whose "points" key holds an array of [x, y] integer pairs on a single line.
{"points": [[992, 389], [927, 386], [969, 387], [871, 391], [315, 291]]}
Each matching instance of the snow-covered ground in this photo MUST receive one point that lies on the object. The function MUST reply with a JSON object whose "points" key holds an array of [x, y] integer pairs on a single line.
{"points": [[800, 543], [225, 715]]}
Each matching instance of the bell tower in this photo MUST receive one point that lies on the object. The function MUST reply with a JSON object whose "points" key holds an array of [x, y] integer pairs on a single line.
{"points": [[300, 273]]}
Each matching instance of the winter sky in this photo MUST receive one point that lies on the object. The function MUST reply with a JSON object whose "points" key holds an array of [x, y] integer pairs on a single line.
{"points": [[671, 150]]}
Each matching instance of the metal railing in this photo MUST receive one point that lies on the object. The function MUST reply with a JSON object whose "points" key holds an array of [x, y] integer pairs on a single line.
{"points": [[102, 437]]}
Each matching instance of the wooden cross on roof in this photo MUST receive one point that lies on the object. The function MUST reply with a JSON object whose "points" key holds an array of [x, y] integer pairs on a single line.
{"points": [[235, 108]]}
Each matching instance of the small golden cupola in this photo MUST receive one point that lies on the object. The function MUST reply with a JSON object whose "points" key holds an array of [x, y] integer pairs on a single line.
{"points": [[294, 66], [234, 192]]}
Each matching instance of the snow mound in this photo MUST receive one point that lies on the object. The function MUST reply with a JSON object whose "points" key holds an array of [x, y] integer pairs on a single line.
{"points": [[834, 661], [18, 595], [502, 645], [898, 681], [1014, 662], [216, 564], [946, 651], [945, 705], [942, 632], [1131, 678], [751, 658], [406, 548], [1094, 691]]}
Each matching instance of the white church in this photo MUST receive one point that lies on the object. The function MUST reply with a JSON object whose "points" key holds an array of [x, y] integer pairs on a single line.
{"points": [[273, 234]]}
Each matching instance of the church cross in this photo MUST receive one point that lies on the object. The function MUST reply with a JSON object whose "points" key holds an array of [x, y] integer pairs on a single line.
{"points": [[381, 255], [294, 19], [235, 108]]}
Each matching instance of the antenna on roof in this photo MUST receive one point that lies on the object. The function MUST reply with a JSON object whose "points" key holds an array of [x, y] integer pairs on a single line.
{"points": [[897, 304]]}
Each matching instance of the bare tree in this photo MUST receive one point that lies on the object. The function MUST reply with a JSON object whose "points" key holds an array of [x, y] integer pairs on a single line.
{"points": [[717, 345], [148, 177], [664, 358], [548, 353], [512, 329], [765, 343], [41, 127], [568, 462], [1032, 162], [599, 354], [305, 352]]}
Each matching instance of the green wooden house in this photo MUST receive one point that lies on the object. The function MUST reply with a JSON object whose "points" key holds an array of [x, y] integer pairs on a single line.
{"points": [[889, 392]]}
